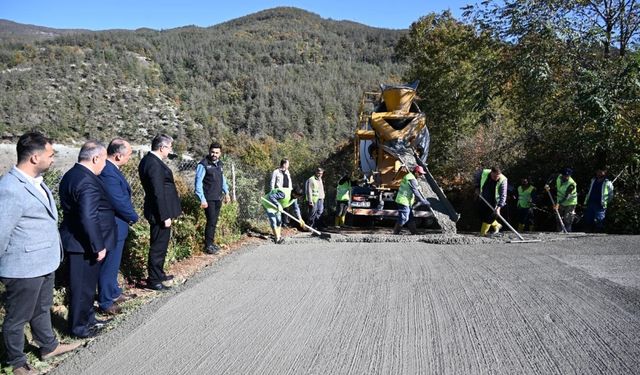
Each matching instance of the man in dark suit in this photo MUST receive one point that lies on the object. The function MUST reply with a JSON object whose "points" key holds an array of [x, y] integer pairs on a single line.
{"points": [[88, 229], [29, 253], [119, 192], [161, 204]]}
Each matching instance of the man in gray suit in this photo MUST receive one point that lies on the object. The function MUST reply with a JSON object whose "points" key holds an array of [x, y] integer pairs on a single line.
{"points": [[29, 253]]}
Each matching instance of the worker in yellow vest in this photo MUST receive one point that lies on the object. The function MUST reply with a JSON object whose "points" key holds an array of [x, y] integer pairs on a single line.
{"points": [[526, 198], [343, 196], [598, 198], [314, 194], [492, 185], [408, 192], [566, 198], [274, 203]]}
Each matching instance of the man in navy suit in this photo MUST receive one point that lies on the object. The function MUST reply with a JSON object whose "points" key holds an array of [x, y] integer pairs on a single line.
{"points": [[119, 192], [29, 253], [88, 229], [161, 205]]}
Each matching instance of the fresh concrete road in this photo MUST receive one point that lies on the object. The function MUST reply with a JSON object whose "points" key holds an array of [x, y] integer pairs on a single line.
{"points": [[313, 307]]}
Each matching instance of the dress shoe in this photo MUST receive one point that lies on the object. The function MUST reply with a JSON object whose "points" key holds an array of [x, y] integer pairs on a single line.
{"points": [[25, 370], [159, 287], [167, 277], [124, 298], [100, 324], [60, 349], [111, 310], [212, 249]]}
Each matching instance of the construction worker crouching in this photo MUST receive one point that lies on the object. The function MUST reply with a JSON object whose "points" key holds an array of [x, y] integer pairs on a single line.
{"points": [[492, 185], [566, 198], [274, 203], [598, 198], [526, 199], [407, 193]]}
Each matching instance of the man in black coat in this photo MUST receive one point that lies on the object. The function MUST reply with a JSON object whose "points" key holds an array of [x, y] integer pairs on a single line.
{"points": [[88, 229], [161, 204]]}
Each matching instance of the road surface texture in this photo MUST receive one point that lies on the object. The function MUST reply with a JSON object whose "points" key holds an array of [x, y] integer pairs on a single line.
{"points": [[569, 306]]}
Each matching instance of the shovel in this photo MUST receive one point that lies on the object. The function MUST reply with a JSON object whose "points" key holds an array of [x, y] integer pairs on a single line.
{"points": [[521, 239], [322, 235]]}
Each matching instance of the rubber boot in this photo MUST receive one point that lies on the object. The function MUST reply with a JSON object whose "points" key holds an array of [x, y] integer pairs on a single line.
{"points": [[277, 232], [343, 219], [484, 229], [412, 227], [397, 229], [337, 221], [496, 226], [520, 227]]}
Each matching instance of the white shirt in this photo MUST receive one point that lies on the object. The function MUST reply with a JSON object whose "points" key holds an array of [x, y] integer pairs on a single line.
{"points": [[35, 181]]}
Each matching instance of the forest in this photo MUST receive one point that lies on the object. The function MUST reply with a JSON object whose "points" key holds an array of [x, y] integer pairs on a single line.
{"points": [[531, 86]]}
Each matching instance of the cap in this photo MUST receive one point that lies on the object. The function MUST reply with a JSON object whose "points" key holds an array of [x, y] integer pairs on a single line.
{"points": [[567, 171], [418, 169]]}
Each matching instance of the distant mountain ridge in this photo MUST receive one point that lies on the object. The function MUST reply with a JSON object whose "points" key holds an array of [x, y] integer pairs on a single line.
{"points": [[271, 73], [22, 33]]}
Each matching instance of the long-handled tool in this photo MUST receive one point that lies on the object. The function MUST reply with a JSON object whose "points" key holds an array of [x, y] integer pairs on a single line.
{"points": [[495, 211], [619, 174], [314, 231], [553, 204]]}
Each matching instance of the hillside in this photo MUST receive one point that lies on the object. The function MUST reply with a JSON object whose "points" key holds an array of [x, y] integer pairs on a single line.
{"points": [[272, 73], [14, 32]]}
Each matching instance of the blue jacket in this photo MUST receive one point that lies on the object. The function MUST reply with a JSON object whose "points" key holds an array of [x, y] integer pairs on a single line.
{"points": [[119, 193], [29, 239], [88, 225]]}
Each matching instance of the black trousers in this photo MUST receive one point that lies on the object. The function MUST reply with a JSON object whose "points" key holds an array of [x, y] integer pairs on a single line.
{"points": [[84, 271], [160, 237], [28, 300], [212, 212]]}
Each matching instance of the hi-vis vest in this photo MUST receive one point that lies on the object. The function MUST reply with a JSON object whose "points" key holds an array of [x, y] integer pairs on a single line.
{"points": [[524, 196], [343, 191], [405, 195], [563, 198], [501, 179], [285, 202], [315, 189], [607, 192]]}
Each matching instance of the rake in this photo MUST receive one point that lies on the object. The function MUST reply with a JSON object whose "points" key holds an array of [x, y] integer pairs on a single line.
{"points": [[312, 230], [495, 211]]}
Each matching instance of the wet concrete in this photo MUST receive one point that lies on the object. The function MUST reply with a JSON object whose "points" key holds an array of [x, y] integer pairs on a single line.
{"points": [[384, 304]]}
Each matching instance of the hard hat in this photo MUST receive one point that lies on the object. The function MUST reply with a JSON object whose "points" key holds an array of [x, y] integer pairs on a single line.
{"points": [[418, 169]]}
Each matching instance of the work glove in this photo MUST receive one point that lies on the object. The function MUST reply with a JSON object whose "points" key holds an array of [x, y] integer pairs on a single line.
{"points": [[556, 207], [302, 224], [547, 187], [280, 208]]}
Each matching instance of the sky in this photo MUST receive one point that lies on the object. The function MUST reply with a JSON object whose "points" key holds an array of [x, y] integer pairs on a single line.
{"points": [[167, 14]]}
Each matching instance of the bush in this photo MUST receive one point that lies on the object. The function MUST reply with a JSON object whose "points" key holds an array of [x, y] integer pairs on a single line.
{"points": [[136, 252], [623, 217], [184, 239]]}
